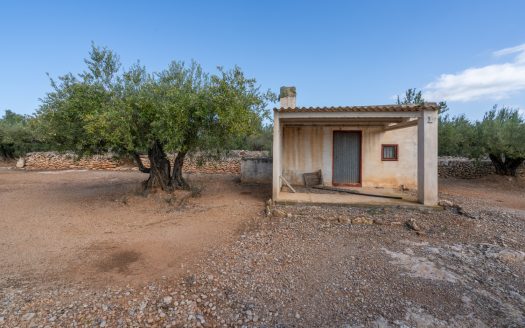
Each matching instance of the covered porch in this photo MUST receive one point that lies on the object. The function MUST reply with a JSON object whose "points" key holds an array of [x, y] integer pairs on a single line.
{"points": [[308, 139]]}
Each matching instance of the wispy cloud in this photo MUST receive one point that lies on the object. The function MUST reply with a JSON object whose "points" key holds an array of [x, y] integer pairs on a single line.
{"points": [[493, 82]]}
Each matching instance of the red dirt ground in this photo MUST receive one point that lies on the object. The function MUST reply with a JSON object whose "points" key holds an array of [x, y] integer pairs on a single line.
{"points": [[95, 226]]}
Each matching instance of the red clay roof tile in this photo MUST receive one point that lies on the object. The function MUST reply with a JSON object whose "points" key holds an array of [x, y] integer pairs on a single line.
{"points": [[372, 108]]}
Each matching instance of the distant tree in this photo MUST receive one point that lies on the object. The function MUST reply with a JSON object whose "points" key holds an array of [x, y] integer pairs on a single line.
{"points": [[180, 109], [457, 136], [414, 96], [502, 136], [16, 135], [451, 140], [260, 140]]}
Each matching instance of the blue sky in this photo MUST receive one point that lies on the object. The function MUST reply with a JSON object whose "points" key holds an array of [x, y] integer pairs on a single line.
{"points": [[470, 53]]}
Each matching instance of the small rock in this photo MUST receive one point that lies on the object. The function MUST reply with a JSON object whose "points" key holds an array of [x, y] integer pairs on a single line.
{"points": [[268, 211], [379, 222], [103, 323], [297, 316], [362, 220], [343, 220], [28, 316], [21, 163], [412, 224], [167, 300], [277, 213], [445, 203]]}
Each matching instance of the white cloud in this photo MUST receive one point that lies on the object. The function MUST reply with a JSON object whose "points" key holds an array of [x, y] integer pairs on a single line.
{"points": [[520, 50], [493, 82]]}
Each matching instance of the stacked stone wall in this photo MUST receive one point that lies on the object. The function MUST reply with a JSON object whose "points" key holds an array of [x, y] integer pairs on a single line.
{"points": [[464, 168], [230, 163]]}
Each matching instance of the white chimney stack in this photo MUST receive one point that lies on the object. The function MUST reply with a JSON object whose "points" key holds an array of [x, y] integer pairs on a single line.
{"points": [[287, 97]]}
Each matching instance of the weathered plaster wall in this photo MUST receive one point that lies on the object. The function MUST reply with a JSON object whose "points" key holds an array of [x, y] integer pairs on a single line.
{"points": [[303, 149], [256, 170], [309, 148], [378, 173]]}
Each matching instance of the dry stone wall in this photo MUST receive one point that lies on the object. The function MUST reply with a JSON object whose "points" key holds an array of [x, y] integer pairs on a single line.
{"points": [[464, 168], [231, 163], [63, 161]]}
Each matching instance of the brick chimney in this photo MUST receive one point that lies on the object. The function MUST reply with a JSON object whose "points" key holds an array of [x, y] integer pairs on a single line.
{"points": [[287, 97]]}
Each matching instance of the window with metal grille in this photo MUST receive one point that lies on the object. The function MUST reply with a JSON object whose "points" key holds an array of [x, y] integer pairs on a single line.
{"points": [[389, 152]]}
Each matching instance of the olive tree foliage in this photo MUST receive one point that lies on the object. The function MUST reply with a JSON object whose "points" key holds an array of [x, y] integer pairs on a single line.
{"points": [[260, 140], [500, 135], [69, 116], [457, 136], [180, 109]]}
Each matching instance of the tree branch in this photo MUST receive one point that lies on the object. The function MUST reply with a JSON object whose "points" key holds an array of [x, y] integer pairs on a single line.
{"points": [[141, 166]]}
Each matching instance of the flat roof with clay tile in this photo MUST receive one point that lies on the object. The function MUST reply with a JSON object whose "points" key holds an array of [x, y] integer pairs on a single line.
{"points": [[371, 108]]}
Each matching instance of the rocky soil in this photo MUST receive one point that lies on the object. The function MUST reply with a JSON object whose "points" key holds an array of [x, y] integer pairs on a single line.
{"points": [[311, 266]]}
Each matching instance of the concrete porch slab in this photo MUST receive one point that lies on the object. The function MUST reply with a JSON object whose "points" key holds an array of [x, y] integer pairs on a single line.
{"points": [[314, 198]]}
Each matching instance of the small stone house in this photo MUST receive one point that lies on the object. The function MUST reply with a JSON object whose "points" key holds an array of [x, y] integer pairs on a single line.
{"points": [[384, 146]]}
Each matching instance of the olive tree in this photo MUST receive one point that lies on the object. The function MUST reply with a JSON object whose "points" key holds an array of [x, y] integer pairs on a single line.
{"points": [[502, 137], [180, 109]]}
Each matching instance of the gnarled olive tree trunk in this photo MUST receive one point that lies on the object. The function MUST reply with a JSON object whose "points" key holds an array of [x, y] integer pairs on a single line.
{"points": [[160, 174], [159, 170], [505, 165], [177, 178]]}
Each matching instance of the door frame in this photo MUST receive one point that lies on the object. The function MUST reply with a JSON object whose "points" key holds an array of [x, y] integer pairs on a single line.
{"points": [[360, 133]]}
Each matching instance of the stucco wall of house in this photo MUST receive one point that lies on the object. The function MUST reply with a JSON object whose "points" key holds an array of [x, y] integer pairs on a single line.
{"points": [[256, 170], [309, 148]]}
